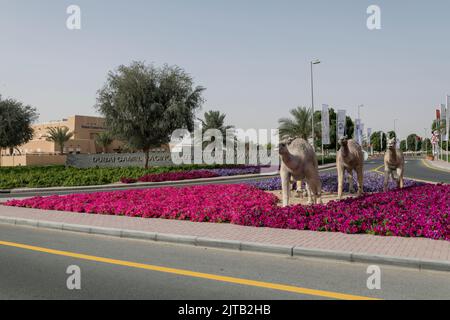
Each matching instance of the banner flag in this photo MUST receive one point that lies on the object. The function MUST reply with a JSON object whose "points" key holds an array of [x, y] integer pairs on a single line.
{"points": [[340, 126], [369, 136], [325, 125], [444, 118], [448, 117], [358, 130], [361, 133]]}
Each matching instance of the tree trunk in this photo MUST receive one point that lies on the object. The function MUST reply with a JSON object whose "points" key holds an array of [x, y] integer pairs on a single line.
{"points": [[61, 146], [147, 156]]}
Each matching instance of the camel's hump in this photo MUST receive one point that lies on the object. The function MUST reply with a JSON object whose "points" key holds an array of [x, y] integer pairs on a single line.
{"points": [[353, 144], [300, 145]]}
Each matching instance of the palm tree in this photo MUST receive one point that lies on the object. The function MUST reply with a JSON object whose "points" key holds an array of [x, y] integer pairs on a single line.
{"points": [[216, 120], [299, 126], [104, 139], [59, 136]]}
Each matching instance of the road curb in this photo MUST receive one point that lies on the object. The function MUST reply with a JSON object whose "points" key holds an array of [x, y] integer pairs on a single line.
{"points": [[291, 251], [435, 166]]}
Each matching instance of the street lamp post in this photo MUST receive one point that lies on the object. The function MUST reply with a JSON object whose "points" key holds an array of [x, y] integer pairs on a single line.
{"points": [[359, 134], [313, 62], [359, 111], [395, 127]]}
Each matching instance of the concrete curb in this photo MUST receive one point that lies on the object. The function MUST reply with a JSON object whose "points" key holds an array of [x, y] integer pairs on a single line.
{"points": [[436, 165], [291, 251], [111, 187]]}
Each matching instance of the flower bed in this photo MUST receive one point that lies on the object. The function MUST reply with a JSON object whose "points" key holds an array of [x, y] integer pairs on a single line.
{"points": [[194, 174], [217, 203], [236, 171], [373, 182], [421, 211], [172, 176]]}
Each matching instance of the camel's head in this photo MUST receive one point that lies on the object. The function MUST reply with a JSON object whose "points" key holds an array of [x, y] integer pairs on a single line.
{"points": [[343, 141], [283, 148], [391, 143]]}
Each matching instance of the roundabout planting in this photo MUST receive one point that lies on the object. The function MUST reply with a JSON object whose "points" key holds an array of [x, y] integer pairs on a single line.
{"points": [[418, 210]]}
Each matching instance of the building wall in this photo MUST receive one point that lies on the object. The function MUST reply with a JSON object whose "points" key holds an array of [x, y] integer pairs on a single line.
{"points": [[32, 160], [84, 128]]}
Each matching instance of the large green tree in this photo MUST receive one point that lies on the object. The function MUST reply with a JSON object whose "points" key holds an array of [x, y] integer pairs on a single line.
{"points": [[413, 143], [391, 134], [403, 146], [349, 128], [15, 123], [377, 143], [144, 104]]}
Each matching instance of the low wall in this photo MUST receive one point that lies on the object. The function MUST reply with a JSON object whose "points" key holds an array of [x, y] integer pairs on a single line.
{"points": [[114, 160], [32, 160]]}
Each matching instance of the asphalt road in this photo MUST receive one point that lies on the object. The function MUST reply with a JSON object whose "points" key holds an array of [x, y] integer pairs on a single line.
{"points": [[166, 272]]}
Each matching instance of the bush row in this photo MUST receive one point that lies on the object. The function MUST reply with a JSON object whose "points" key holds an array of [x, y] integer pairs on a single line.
{"points": [[60, 176]]}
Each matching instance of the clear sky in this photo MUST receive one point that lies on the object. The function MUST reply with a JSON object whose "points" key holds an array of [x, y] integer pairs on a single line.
{"points": [[251, 55]]}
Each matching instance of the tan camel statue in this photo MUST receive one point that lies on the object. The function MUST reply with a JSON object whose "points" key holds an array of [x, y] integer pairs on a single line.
{"points": [[349, 158], [394, 164], [299, 162]]}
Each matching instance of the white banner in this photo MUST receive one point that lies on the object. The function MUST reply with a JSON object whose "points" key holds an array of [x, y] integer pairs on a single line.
{"points": [[369, 135], [361, 133], [340, 125], [444, 118], [448, 117], [358, 130], [325, 125]]}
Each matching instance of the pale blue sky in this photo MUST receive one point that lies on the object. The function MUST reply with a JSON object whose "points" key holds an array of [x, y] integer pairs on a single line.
{"points": [[251, 55]]}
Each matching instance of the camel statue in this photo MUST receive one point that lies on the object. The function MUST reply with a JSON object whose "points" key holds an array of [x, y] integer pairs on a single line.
{"points": [[349, 158], [299, 162], [394, 164]]}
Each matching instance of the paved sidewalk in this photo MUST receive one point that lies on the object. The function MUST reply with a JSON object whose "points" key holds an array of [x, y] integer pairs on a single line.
{"points": [[409, 252]]}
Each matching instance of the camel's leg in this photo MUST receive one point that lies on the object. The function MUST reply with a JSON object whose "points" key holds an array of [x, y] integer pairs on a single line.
{"points": [[285, 184], [351, 181], [400, 178], [300, 190], [310, 194], [386, 179], [360, 173], [341, 173], [318, 192]]}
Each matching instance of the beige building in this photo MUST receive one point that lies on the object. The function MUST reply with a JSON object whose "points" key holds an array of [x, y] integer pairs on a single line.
{"points": [[84, 129]]}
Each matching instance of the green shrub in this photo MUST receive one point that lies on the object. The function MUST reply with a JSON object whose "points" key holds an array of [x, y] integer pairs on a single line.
{"points": [[55, 176]]}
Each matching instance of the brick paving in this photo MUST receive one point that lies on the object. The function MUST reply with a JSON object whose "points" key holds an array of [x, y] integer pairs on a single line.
{"points": [[414, 248]]}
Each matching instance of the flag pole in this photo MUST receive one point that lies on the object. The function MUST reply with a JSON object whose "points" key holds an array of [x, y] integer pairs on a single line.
{"points": [[447, 126]]}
